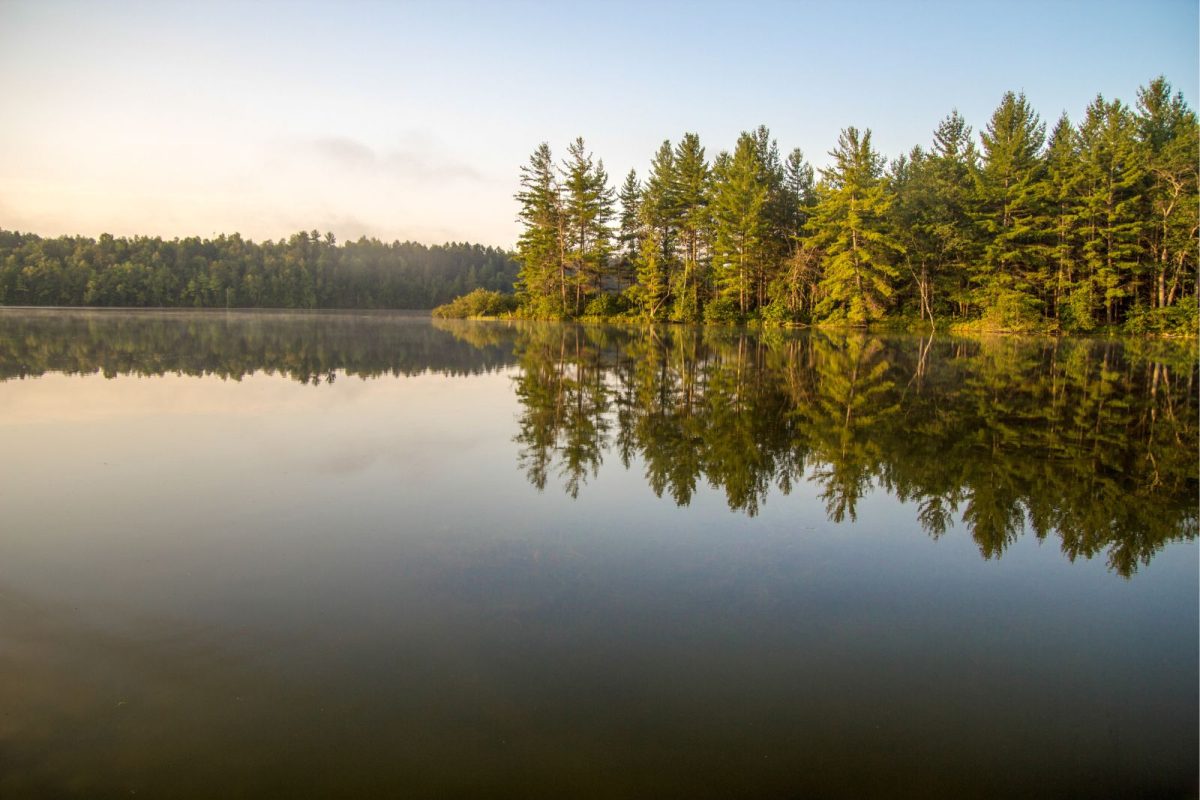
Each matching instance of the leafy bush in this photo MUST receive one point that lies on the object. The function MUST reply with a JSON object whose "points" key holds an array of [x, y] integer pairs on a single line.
{"points": [[1177, 320], [776, 314], [605, 306], [479, 303], [1012, 310], [1076, 313], [722, 311]]}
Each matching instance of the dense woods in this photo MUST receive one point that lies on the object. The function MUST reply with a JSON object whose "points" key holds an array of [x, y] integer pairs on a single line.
{"points": [[1025, 227], [308, 270]]}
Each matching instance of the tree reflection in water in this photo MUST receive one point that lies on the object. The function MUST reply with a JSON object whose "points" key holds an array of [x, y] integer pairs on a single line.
{"points": [[1090, 440], [1094, 441]]}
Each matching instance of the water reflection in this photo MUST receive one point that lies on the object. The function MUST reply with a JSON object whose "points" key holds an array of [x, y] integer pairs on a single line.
{"points": [[308, 347], [1092, 441], [353, 589]]}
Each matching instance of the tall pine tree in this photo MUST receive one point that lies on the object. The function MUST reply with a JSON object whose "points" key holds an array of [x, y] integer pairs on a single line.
{"points": [[850, 222], [542, 280], [1010, 211]]}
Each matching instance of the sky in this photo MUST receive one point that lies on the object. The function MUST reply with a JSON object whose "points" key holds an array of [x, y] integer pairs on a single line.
{"points": [[410, 121]]}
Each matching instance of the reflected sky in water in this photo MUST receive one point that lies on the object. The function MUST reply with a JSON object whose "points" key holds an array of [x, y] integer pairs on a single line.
{"points": [[346, 555]]}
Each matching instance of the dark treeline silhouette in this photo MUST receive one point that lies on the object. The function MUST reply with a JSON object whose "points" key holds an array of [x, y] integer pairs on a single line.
{"points": [[1093, 441], [1067, 227], [310, 348], [308, 270]]}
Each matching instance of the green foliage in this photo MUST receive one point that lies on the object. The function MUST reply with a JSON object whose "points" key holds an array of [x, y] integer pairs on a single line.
{"points": [[1095, 225], [606, 306], [540, 249], [586, 238], [776, 314], [723, 311], [1011, 212], [308, 270], [851, 223], [1111, 178], [479, 303], [740, 223], [565, 246], [693, 189], [1008, 309], [1180, 319], [1077, 312], [1007, 231]]}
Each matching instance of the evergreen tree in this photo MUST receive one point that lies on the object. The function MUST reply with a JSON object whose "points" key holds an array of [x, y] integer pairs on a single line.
{"points": [[779, 213], [1071, 305], [850, 225], [587, 211], [660, 216], [1111, 175], [799, 190], [953, 163], [914, 218], [541, 248], [691, 195], [1170, 139], [631, 232], [740, 224], [794, 282], [1010, 211]]}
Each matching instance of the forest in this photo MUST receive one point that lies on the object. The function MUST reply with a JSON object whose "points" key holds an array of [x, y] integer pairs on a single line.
{"points": [[308, 270], [1066, 227]]}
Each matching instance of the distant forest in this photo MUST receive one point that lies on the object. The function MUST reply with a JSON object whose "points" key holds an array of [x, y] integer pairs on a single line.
{"points": [[308, 270], [1021, 228]]}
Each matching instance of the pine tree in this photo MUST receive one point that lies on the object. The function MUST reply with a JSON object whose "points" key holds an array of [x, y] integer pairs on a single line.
{"points": [[691, 194], [953, 164], [914, 216], [631, 232], [588, 209], [740, 225], [1010, 214], [542, 280], [660, 213], [794, 282], [850, 224], [779, 211], [1061, 194], [1170, 140], [1111, 174], [800, 192]]}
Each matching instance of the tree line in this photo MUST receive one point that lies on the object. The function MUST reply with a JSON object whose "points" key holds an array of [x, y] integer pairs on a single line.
{"points": [[1070, 228], [1091, 441], [307, 270]]}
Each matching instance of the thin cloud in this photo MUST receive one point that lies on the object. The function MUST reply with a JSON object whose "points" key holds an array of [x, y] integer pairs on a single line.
{"points": [[417, 161], [344, 151]]}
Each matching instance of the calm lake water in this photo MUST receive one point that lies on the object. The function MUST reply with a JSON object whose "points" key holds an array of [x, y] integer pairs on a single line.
{"points": [[371, 555]]}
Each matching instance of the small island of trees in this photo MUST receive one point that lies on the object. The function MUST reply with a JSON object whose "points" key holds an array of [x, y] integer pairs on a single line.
{"points": [[1072, 229]]}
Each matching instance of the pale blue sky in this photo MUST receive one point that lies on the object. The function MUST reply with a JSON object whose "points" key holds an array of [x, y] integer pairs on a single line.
{"points": [[411, 120]]}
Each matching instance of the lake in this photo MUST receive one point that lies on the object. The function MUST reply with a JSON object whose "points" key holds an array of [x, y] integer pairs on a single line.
{"points": [[374, 555]]}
